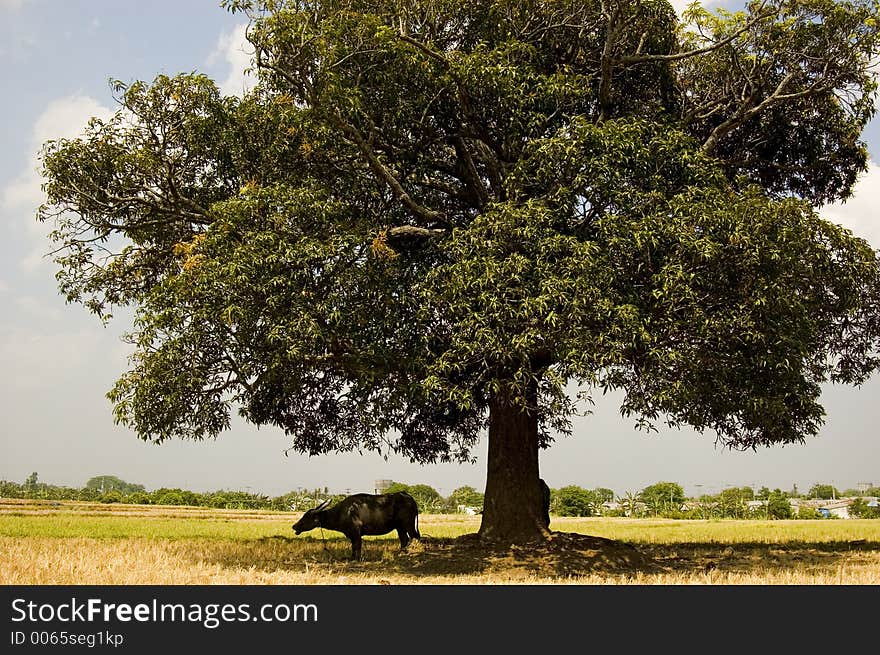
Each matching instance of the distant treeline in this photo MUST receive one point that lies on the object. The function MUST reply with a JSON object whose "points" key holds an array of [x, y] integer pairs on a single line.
{"points": [[663, 499], [668, 500], [137, 495], [111, 489]]}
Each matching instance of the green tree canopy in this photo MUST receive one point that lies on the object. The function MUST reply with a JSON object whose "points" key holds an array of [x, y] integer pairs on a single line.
{"points": [[860, 509], [431, 219], [106, 483], [467, 496], [732, 501], [427, 498], [662, 495], [823, 491], [778, 506], [572, 501]]}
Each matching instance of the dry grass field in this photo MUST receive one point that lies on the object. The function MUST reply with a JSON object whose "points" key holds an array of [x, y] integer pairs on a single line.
{"points": [[79, 543]]}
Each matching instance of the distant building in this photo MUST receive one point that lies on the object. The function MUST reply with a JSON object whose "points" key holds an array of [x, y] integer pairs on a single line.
{"points": [[381, 486], [838, 508], [835, 508]]}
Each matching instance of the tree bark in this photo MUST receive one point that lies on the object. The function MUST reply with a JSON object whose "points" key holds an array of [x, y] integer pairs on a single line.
{"points": [[512, 505]]}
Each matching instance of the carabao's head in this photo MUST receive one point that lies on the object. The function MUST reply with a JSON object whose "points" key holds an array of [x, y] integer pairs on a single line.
{"points": [[311, 519]]}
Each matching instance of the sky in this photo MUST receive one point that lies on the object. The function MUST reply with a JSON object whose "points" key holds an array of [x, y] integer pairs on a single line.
{"points": [[57, 361]]}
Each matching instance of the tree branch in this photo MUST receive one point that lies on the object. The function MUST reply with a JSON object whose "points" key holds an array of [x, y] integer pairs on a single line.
{"points": [[743, 114], [384, 174], [607, 63], [413, 232], [639, 59], [471, 173]]}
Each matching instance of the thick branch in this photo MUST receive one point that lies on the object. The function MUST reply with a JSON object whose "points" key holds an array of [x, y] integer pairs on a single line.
{"points": [[607, 66], [638, 58], [413, 232], [744, 113], [384, 174], [471, 173], [391, 242], [436, 56]]}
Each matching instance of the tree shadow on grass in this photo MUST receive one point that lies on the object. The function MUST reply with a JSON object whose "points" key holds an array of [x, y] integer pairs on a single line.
{"points": [[565, 556], [746, 557]]}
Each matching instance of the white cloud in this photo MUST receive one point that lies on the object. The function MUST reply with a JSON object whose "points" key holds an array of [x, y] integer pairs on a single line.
{"points": [[681, 5], [236, 51], [860, 212], [63, 118]]}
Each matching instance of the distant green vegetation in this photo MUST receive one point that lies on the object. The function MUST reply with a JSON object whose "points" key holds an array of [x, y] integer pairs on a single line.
{"points": [[662, 499], [111, 489]]}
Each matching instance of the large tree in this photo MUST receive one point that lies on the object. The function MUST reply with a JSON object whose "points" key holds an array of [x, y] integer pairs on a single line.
{"points": [[435, 218]]}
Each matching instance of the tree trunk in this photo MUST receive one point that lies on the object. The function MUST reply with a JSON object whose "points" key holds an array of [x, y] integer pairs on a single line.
{"points": [[512, 506]]}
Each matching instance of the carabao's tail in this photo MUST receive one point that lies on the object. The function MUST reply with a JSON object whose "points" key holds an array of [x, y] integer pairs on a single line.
{"points": [[415, 534]]}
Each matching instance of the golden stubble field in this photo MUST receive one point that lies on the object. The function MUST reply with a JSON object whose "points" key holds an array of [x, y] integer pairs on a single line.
{"points": [[79, 543]]}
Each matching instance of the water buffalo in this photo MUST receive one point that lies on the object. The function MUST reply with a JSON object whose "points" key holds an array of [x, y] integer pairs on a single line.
{"points": [[365, 514]]}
